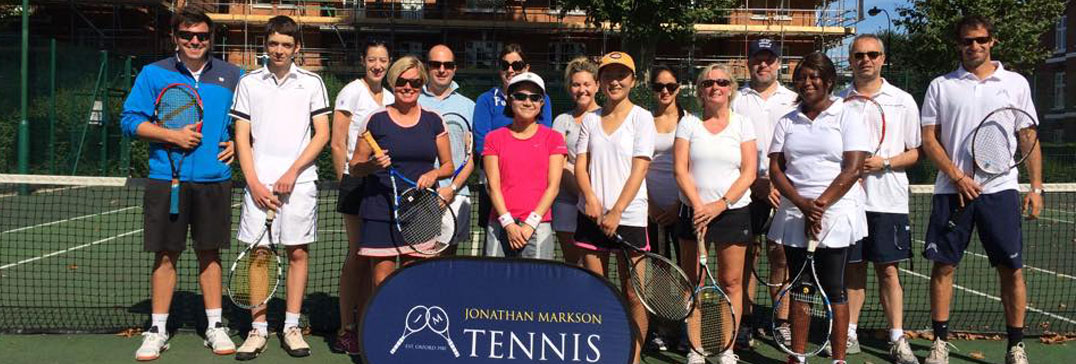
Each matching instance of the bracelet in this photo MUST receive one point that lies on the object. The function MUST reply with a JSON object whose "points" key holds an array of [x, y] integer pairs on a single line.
{"points": [[533, 220], [726, 201], [506, 220]]}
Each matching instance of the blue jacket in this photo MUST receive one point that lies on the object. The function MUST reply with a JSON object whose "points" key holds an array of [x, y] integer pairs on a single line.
{"points": [[216, 86], [489, 116]]}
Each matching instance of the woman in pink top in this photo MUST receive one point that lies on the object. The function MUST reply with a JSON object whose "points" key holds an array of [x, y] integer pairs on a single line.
{"points": [[523, 164]]}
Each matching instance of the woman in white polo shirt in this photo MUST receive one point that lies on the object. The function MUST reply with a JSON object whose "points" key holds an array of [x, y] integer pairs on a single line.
{"points": [[715, 162], [816, 158], [614, 149]]}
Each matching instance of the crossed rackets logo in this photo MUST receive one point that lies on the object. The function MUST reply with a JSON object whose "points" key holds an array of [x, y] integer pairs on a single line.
{"points": [[420, 318]]}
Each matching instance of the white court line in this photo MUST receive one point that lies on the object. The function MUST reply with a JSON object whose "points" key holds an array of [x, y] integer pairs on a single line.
{"points": [[58, 252], [994, 298], [68, 220], [1029, 267], [1061, 211]]}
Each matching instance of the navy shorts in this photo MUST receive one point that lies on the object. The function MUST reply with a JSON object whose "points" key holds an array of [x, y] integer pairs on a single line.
{"points": [[995, 215], [731, 227], [590, 237], [889, 240]]}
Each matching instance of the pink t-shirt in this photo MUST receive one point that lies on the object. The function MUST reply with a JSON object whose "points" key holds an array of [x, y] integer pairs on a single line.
{"points": [[524, 167]]}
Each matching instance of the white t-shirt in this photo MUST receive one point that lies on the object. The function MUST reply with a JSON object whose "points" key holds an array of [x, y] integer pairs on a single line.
{"points": [[764, 114], [565, 125], [888, 191], [957, 102], [814, 149], [357, 100], [715, 159], [280, 113], [660, 182], [610, 156]]}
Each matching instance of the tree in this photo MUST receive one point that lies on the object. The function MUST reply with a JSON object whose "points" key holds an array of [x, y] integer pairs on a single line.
{"points": [[1018, 25], [644, 23]]}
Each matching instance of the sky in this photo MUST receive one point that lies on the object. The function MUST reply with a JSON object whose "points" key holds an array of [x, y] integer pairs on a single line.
{"points": [[874, 24]]}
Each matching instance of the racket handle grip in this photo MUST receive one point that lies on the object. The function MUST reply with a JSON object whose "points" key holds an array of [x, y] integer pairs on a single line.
{"points": [[373, 143], [173, 200], [270, 215], [198, 127]]}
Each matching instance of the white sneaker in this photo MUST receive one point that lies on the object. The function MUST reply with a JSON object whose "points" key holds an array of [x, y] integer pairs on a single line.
{"points": [[783, 333], [254, 344], [901, 353], [216, 338], [294, 343], [939, 353], [1016, 355], [728, 357], [153, 343], [695, 358]]}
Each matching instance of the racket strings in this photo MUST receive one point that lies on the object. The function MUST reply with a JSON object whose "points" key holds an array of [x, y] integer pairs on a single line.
{"points": [[717, 321], [419, 215], [660, 286], [813, 300], [252, 281], [992, 148], [177, 108]]}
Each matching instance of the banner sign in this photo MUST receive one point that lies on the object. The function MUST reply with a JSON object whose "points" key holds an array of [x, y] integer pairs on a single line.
{"points": [[486, 310]]}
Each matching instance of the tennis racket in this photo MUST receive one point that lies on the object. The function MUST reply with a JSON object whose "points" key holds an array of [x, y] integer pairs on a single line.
{"points": [[177, 106], [872, 114], [460, 138], [1002, 141], [662, 287], [255, 274], [811, 313], [421, 215], [763, 246], [717, 332]]}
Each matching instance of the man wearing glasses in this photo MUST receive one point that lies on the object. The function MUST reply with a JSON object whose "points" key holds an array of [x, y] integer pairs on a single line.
{"points": [[439, 95]]}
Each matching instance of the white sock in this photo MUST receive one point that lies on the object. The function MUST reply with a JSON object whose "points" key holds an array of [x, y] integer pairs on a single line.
{"points": [[262, 327], [895, 334], [801, 359], [291, 320], [213, 317], [852, 331], [160, 320]]}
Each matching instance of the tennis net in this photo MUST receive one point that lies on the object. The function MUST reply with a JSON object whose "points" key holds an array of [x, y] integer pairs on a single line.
{"points": [[71, 260]]}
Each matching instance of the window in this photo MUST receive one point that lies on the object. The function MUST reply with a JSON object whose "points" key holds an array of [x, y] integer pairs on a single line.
{"points": [[482, 53], [1060, 34], [408, 48], [1059, 90], [411, 9], [560, 53]]}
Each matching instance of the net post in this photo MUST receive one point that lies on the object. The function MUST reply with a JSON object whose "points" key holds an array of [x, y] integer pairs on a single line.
{"points": [[24, 108]]}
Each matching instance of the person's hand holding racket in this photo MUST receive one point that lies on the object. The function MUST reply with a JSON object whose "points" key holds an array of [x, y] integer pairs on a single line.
{"points": [[426, 180], [967, 189], [610, 221], [593, 209], [706, 213], [188, 137], [263, 197]]}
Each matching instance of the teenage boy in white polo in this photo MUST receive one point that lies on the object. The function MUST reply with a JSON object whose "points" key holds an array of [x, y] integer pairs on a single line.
{"points": [[274, 108], [889, 239], [953, 106]]}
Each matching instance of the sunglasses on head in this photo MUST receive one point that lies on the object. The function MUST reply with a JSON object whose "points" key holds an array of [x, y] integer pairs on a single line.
{"points": [[414, 82], [523, 96], [658, 86], [720, 82], [516, 66], [435, 65], [186, 35], [872, 55], [967, 42]]}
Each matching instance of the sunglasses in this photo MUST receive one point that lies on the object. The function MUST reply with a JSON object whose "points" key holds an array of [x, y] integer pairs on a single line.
{"points": [[186, 35], [967, 42], [516, 66], [523, 96], [720, 82], [871, 55], [658, 86], [414, 82], [435, 65]]}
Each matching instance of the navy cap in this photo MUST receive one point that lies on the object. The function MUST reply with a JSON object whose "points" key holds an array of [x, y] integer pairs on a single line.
{"points": [[764, 44]]}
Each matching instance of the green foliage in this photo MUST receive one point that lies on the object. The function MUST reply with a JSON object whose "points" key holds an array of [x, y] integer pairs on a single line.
{"points": [[1018, 26]]}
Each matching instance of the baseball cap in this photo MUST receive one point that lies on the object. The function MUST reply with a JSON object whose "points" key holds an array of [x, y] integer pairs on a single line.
{"points": [[527, 77], [617, 57], [764, 44]]}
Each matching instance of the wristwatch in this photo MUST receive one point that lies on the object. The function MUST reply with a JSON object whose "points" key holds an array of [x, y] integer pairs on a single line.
{"points": [[885, 165], [454, 187], [1038, 191]]}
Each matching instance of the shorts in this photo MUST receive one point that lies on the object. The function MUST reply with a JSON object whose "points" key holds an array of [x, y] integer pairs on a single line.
{"points": [[828, 263], [590, 237], [564, 215], [760, 214], [350, 196], [995, 215], [296, 219], [539, 246], [204, 207], [889, 240], [731, 227], [461, 206], [485, 205]]}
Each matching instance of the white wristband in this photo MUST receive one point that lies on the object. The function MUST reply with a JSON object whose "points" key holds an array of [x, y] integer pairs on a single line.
{"points": [[533, 220], [506, 220]]}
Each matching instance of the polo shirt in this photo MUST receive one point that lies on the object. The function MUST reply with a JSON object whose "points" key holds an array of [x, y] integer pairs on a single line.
{"points": [[814, 149], [764, 114], [357, 99], [454, 103]]}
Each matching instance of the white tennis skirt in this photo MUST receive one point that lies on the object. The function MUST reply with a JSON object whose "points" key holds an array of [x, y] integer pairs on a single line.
{"points": [[843, 224]]}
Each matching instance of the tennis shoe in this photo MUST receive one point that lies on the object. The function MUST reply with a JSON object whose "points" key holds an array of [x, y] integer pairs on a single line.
{"points": [[901, 353], [657, 343], [1016, 355], [216, 338], [851, 347], [294, 344], [783, 333], [153, 343], [254, 345], [346, 342], [695, 358], [939, 352], [744, 341], [727, 357]]}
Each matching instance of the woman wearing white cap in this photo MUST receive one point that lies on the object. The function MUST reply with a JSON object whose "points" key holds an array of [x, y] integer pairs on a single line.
{"points": [[613, 153], [523, 163]]}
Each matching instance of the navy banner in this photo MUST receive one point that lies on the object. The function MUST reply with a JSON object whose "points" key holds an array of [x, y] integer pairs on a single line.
{"points": [[484, 310]]}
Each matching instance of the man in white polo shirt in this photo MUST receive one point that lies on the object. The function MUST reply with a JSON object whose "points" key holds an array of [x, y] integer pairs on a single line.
{"points": [[888, 240], [953, 106], [763, 101], [274, 108]]}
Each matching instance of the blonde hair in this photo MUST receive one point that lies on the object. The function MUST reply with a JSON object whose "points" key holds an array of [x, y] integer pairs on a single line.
{"points": [[706, 72], [404, 64], [580, 64]]}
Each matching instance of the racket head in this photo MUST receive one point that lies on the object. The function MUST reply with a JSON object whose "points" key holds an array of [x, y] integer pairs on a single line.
{"points": [[995, 143], [460, 138], [873, 115], [717, 331], [178, 105], [662, 287], [809, 306], [255, 274], [420, 213]]}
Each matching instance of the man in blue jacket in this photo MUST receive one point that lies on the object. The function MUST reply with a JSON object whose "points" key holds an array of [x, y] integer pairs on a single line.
{"points": [[205, 177]]}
